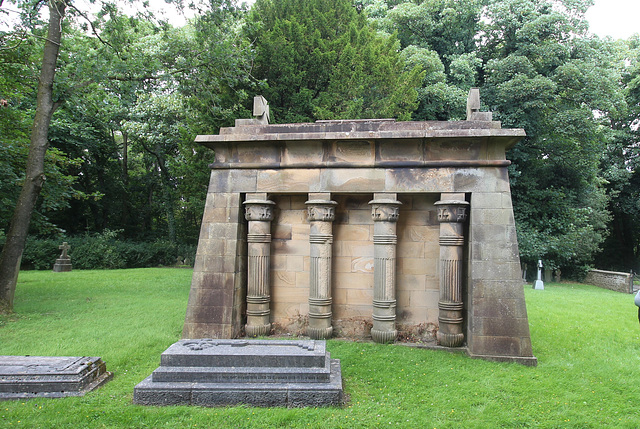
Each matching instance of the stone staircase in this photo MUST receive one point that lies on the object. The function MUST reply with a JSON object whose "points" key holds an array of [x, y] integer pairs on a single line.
{"points": [[207, 372]]}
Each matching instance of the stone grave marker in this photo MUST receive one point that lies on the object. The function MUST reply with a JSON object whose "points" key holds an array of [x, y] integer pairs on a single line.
{"points": [[208, 372], [63, 263], [24, 377], [539, 284]]}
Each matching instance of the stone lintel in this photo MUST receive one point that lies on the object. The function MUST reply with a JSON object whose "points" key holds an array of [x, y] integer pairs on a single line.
{"points": [[361, 144]]}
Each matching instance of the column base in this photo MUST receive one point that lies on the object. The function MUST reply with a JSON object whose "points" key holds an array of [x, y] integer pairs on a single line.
{"points": [[450, 340], [319, 333], [383, 337], [257, 330]]}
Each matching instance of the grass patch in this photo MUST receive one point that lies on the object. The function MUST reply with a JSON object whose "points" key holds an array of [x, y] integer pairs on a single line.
{"points": [[587, 341]]}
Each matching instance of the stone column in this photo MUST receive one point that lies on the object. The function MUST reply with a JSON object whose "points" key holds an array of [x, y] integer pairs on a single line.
{"points": [[321, 214], [259, 214], [452, 213], [385, 210]]}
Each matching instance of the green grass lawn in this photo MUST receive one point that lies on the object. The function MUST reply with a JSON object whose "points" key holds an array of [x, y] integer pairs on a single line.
{"points": [[587, 341]]}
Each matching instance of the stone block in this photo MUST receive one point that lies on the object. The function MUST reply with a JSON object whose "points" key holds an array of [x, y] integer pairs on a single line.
{"points": [[354, 249], [495, 346], [210, 297], [419, 233], [295, 153], [283, 278], [353, 232], [291, 180], [410, 249], [410, 282], [302, 279], [290, 294], [281, 232], [508, 308], [360, 296], [359, 152], [290, 247], [413, 265], [25, 377], [419, 180], [355, 281], [351, 180], [388, 152], [361, 265], [300, 231], [233, 181], [500, 326], [209, 372], [295, 263], [353, 201]]}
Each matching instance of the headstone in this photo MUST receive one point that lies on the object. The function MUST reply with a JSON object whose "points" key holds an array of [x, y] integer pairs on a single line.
{"points": [[63, 263], [24, 377], [208, 372], [539, 284]]}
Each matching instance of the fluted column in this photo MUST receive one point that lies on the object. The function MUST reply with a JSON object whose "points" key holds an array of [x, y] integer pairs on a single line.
{"points": [[321, 214], [259, 214], [385, 210], [451, 214]]}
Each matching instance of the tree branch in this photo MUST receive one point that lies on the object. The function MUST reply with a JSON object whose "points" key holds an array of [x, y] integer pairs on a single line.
{"points": [[93, 27]]}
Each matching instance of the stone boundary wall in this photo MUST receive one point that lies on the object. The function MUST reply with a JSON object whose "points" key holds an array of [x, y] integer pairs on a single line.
{"points": [[619, 282]]}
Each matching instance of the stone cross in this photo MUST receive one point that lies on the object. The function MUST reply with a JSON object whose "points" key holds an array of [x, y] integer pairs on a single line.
{"points": [[539, 284], [64, 247]]}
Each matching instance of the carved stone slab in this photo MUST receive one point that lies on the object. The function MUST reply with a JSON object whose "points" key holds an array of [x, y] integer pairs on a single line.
{"points": [[209, 372], [23, 377]]}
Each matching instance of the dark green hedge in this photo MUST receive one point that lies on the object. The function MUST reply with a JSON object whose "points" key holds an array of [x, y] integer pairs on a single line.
{"points": [[104, 251]]}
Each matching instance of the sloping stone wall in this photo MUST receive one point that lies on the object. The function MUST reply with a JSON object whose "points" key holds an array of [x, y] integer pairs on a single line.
{"points": [[620, 282]]}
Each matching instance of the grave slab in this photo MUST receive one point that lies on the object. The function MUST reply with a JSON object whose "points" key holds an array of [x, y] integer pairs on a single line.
{"points": [[265, 373], [24, 377]]}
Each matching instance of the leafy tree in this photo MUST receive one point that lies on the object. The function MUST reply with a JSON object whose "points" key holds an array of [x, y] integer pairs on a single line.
{"points": [[547, 75], [539, 69], [34, 177], [322, 60], [621, 168]]}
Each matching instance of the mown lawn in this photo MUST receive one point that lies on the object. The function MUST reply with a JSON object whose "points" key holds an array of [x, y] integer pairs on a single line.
{"points": [[587, 341]]}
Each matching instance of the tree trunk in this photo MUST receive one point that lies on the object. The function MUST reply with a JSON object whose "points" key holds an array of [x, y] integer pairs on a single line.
{"points": [[34, 176]]}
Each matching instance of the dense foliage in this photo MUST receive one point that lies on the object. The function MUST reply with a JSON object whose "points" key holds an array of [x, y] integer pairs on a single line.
{"points": [[132, 92]]}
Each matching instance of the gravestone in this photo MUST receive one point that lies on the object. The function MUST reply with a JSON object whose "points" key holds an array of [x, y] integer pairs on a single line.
{"points": [[208, 372], [539, 284], [24, 377], [63, 263]]}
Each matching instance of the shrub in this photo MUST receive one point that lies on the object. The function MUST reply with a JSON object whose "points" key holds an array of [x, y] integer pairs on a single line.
{"points": [[105, 251]]}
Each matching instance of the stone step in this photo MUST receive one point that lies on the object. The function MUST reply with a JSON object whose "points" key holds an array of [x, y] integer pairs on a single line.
{"points": [[150, 392], [245, 353], [293, 373], [242, 374]]}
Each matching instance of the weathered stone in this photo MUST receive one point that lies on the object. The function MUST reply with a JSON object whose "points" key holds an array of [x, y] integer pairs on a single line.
{"points": [[210, 372], [619, 282], [352, 161], [63, 263], [24, 377]]}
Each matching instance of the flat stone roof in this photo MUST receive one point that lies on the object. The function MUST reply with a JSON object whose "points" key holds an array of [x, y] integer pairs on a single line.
{"points": [[364, 129]]}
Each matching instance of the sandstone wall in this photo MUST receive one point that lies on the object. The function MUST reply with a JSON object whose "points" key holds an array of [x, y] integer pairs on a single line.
{"points": [[620, 282]]}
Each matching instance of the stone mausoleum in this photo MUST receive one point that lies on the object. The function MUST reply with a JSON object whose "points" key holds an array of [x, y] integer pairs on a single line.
{"points": [[362, 228]]}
